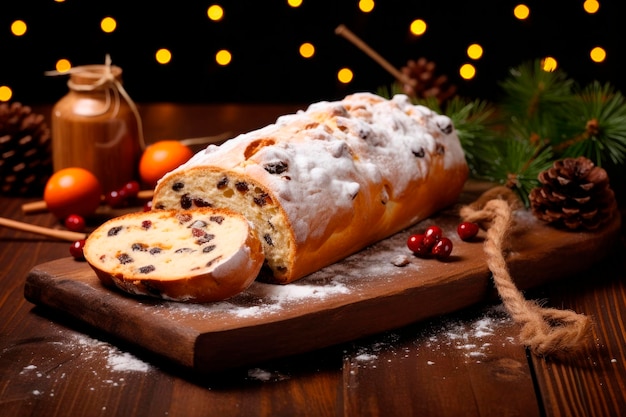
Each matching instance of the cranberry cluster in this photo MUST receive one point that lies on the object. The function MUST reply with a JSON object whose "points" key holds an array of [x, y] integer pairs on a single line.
{"points": [[433, 243]]}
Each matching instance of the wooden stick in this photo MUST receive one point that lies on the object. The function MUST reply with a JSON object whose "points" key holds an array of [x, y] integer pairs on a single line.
{"points": [[40, 206], [45, 231], [342, 30]]}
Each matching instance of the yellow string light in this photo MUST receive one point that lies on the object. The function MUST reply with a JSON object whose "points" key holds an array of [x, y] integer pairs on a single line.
{"points": [[591, 6], [108, 24], [18, 27], [307, 50], [223, 57], [549, 64], [475, 51], [366, 6], [163, 56], [215, 12], [63, 65], [294, 3], [418, 27], [521, 11], [467, 71], [597, 54], [345, 75], [5, 93]]}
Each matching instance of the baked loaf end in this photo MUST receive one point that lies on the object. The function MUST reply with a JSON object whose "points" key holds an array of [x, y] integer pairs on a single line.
{"points": [[323, 183], [196, 256]]}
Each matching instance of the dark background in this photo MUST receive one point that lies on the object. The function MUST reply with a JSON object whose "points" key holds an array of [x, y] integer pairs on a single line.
{"points": [[264, 36]]}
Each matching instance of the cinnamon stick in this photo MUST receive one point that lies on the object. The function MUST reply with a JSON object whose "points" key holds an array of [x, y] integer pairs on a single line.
{"points": [[45, 231]]}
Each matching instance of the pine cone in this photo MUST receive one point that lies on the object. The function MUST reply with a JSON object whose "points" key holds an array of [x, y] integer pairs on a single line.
{"points": [[425, 82], [575, 194], [25, 151]]}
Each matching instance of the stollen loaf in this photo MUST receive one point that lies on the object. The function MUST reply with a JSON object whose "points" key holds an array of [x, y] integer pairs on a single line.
{"points": [[197, 256], [325, 182]]}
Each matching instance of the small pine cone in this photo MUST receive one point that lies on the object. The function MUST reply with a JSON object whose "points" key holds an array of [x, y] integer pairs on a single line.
{"points": [[25, 151], [425, 82], [574, 194]]}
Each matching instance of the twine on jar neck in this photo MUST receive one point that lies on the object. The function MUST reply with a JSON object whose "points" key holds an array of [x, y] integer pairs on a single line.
{"points": [[113, 92]]}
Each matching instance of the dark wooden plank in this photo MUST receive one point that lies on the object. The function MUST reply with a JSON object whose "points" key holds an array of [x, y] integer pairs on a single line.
{"points": [[462, 365], [362, 295], [591, 382]]}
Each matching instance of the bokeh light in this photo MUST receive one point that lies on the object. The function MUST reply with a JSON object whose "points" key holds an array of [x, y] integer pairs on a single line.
{"points": [[294, 3], [591, 6], [345, 75], [366, 6], [549, 64], [63, 65], [5, 93], [223, 57], [467, 71], [521, 11], [215, 12], [475, 51], [418, 27], [18, 28], [163, 56], [307, 50], [597, 54], [108, 24]]}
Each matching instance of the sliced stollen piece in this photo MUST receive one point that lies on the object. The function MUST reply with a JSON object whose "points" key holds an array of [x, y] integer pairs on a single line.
{"points": [[325, 182], [199, 255]]}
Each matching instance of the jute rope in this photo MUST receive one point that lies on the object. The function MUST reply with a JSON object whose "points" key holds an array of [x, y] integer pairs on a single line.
{"points": [[545, 331]]}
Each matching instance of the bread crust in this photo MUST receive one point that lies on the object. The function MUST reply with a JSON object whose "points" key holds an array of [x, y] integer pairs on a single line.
{"points": [[228, 274], [326, 182]]}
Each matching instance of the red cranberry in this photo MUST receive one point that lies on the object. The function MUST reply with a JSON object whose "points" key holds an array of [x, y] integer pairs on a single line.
{"points": [[442, 248], [130, 189], [76, 250], [147, 206], [432, 236], [75, 223], [415, 243], [467, 230], [115, 199]]}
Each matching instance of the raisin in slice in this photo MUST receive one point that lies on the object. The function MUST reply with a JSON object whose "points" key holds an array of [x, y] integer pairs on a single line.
{"points": [[222, 183], [185, 201], [184, 250], [241, 186], [200, 202], [217, 219], [146, 269], [114, 230], [141, 247], [125, 258], [208, 249], [178, 186]]}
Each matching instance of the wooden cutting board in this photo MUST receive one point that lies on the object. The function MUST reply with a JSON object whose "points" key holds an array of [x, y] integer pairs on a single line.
{"points": [[364, 294]]}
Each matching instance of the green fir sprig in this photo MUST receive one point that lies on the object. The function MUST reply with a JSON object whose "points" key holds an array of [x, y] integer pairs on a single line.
{"points": [[542, 116]]}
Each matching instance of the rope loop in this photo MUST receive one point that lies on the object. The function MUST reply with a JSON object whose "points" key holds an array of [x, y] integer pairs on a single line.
{"points": [[545, 331]]}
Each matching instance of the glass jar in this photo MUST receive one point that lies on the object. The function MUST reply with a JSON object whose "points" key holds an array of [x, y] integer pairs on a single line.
{"points": [[96, 126]]}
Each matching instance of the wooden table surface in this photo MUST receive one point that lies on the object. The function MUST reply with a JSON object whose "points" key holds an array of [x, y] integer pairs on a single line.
{"points": [[465, 364]]}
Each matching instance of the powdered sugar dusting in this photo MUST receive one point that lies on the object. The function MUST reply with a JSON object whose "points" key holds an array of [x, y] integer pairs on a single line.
{"points": [[110, 367], [473, 338]]}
